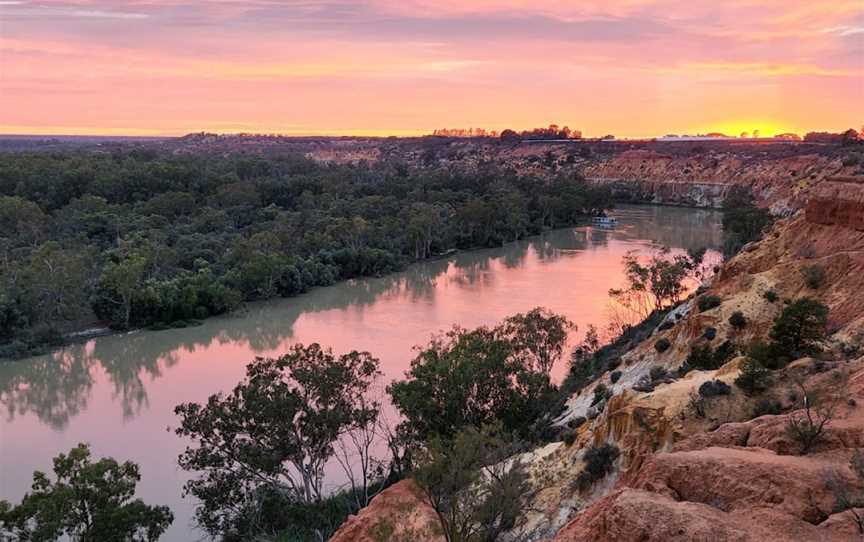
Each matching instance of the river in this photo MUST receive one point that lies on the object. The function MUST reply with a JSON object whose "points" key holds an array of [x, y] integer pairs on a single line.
{"points": [[118, 392]]}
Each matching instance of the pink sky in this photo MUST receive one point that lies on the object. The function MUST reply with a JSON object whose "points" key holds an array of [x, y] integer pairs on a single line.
{"points": [[632, 67]]}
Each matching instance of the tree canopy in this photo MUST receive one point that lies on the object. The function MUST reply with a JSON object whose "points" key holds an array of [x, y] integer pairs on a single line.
{"points": [[151, 239], [87, 501], [264, 446]]}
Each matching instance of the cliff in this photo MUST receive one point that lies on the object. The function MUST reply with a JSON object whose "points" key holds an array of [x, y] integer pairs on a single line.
{"points": [[722, 474]]}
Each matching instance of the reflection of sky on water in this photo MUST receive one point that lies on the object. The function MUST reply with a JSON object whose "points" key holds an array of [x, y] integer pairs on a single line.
{"points": [[118, 393]]}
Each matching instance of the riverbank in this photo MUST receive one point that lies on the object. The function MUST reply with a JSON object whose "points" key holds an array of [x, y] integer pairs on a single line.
{"points": [[756, 480]]}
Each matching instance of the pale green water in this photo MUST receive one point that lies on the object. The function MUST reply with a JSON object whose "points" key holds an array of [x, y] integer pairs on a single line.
{"points": [[118, 393]]}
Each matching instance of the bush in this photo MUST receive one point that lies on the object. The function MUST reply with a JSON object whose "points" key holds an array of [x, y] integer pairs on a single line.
{"points": [[801, 327], [737, 320], [768, 355], [601, 393], [668, 324], [708, 302], [569, 438], [771, 296], [598, 462], [814, 276], [576, 422], [657, 373], [662, 345], [767, 406], [704, 358], [615, 376], [710, 333], [714, 388], [753, 377]]}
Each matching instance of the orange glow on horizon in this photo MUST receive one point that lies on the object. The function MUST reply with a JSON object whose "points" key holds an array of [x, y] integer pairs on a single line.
{"points": [[636, 68]]}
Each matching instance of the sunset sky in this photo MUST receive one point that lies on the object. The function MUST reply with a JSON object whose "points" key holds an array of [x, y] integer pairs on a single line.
{"points": [[631, 68]]}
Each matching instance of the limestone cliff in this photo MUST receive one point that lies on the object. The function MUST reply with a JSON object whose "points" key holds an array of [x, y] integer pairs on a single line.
{"points": [[714, 471]]}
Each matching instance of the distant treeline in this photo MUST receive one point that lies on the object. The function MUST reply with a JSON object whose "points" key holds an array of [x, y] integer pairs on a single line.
{"points": [[139, 238], [553, 131]]}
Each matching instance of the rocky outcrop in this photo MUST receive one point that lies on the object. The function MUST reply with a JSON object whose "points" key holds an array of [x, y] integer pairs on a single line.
{"points": [[781, 182], [839, 201], [397, 514], [727, 485]]}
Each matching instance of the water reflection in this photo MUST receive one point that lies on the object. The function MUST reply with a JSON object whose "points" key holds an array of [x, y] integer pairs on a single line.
{"points": [[56, 388], [118, 393]]}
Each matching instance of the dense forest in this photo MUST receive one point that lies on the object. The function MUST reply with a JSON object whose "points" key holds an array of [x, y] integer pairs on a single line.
{"points": [[137, 238]]}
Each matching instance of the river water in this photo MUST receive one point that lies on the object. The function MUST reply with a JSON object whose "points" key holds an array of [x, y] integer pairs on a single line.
{"points": [[118, 392]]}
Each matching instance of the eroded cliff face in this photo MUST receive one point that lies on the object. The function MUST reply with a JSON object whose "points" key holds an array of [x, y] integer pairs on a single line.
{"points": [[704, 180], [717, 473]]}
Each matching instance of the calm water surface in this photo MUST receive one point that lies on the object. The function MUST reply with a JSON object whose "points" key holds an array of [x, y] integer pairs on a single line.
{"points": [[118, 393]]}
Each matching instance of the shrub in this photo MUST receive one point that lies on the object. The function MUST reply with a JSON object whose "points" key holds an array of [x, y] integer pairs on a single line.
{"points": [[753, 377], [768, 355], [601, 393], [569, 438], [808, 427], [710, 334], [668, 324], [767, 406], [814, 276], [714, 388], [771, 296], [662, 345], [704, 358], [800, 327], [737, 320], [657, 373], [615, 376], [598, 462], [576, 422], [708, 302]]}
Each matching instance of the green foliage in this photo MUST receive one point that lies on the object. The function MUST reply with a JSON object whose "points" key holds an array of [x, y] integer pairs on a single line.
{"points": [[441, 393], [614, 376], [601, 394], [538, 335], [475, 491], [88, 502], [657, 373], [737, 320], [704, 358], [743, 222], [127, 235], [261, 450], [708, 302], [658, 284], [753, 378], [662, 345], [801, 327], [590, 361], [598, 462], [714, 388], [770, 296], [814, 276], [768, 354]]}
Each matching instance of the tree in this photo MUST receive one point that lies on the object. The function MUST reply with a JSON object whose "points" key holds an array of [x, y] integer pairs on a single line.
{"points": [[743, 222], [270, 438], [540, 334], [800, 327], [808, 426], [474, 485], [119, 286], [87, 502], [658, 284], [472, 378]]}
